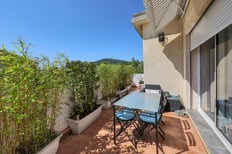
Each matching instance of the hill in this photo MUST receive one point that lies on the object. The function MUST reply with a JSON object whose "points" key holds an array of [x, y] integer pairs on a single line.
{"points": [[111, 61]]}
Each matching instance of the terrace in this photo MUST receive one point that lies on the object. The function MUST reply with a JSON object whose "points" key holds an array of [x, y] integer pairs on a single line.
{"points": [[181, 137], [180, 67]]}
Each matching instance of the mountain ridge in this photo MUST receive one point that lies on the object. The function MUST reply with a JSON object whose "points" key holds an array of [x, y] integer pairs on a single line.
{"points": [[111, 61]]}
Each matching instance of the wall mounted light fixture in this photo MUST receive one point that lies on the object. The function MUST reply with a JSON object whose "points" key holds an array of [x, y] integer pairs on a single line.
{"points": [[161, 37]]}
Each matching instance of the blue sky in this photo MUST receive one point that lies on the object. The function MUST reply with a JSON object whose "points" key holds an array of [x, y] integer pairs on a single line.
{"points": [[86, 30]]}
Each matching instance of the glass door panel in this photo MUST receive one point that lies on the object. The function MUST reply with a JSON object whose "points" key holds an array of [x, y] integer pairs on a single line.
{"points": [[194, 67], [207, 78], [224, 83]]}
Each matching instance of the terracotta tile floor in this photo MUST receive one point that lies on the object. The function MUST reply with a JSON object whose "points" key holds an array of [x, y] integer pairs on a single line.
{"points": [[181, 137]]}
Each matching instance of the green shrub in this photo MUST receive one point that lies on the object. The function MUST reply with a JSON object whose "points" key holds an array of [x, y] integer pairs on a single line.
{"points": [[28, 99], [83, 83], [113, 77]]}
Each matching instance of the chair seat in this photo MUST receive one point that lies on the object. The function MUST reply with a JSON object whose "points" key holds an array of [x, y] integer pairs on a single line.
{"points": [[148, 117], [125, 115]]}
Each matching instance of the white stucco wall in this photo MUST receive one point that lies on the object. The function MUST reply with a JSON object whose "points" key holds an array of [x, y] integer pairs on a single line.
{"points": [[65, 112], [164, 64]]}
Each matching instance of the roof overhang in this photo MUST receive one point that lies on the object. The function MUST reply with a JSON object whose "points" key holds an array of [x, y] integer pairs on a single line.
{"points": [[138, 20], [159, 13], [162, 12]]}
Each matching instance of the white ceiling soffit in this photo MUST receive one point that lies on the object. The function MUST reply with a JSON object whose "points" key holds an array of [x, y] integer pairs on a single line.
{"points": [[162, 12]]}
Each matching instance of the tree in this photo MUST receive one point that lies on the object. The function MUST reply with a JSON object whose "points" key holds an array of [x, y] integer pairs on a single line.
{"points": [[138, 65]]}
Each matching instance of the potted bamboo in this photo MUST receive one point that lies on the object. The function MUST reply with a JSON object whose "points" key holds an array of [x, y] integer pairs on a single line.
{"points": [[83, 84], [108, 82], [29, 101], [114, 81]]}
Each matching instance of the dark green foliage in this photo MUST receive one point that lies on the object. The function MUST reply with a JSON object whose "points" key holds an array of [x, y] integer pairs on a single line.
{"points": [[125, 75], [83, 83], [138, 65], [111, 61]]}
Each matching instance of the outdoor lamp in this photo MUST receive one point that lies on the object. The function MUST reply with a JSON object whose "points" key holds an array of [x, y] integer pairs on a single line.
{"points": [[161, 37]]}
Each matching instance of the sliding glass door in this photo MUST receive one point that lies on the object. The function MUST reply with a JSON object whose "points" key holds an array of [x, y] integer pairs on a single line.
{"points": [[215, 83], [208, 77], [224, 82]]}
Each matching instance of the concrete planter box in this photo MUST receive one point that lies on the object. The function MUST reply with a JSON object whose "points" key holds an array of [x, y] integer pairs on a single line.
{"points": [[106, 104], [141, 86], [78, 126], [123, 92], [52, 147], [128, 88]]}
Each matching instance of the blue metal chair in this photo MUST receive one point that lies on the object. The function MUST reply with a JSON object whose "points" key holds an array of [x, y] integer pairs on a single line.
{"points": [[148, 120], [155, 88], [125, 118]]}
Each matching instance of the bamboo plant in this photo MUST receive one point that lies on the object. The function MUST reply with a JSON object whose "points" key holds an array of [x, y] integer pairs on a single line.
{"points": [[83, 83], [113, 77], [29, 91]]}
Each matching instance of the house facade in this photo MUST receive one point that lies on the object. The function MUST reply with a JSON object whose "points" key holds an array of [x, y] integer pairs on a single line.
{"points": [[187, 49]]}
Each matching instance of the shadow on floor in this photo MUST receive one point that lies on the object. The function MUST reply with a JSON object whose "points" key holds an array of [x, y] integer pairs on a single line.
{"points": [[180, 137]]}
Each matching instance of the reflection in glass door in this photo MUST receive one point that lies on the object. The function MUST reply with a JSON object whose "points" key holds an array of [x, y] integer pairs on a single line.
{"points": [[194, 77], [224, 83], [207, 78]]}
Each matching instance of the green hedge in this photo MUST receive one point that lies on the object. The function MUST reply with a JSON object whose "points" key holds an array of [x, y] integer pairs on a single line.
{"points": [[29, 90], [83, 83], [113, 77]]}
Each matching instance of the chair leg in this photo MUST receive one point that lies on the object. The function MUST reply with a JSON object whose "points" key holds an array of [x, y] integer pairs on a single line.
{"points": [[140, 126], [123, 128], [161, 135], [162, 130], [145, 134]]}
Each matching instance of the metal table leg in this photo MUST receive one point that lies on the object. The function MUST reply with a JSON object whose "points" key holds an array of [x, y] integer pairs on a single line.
{"points": [[114, 125], [157, 143]]}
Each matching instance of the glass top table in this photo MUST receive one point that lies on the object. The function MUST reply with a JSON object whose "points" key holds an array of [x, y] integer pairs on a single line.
{"points": [[141, 101]]}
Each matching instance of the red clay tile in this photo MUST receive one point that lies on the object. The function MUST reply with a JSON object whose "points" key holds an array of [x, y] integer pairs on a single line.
{"points": [[181, 137]]}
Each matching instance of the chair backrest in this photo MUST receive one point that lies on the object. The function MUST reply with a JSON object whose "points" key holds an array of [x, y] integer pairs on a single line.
{"points": [[156, 88], [152, 88], [163, 102]]}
